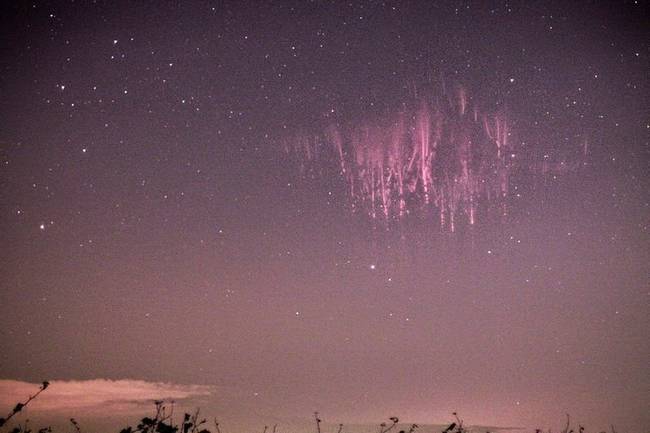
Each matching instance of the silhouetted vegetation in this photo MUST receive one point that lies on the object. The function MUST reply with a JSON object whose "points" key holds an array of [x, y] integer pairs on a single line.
{"points": [[20, 406], [162, 422]]}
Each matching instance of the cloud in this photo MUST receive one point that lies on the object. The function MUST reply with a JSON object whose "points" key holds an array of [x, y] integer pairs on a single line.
{"points": [[98, 395]]}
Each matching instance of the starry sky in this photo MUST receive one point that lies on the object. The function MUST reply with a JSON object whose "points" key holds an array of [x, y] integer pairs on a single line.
{"points": [[155, 228]]}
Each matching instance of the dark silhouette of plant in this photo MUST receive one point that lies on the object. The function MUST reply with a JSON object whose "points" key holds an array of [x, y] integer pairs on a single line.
{"points": [[411, 429], [75, 424], [20, 406], [451, 427], [384, 429], [162, 422], [455, 427], [318, 421], [25, 429]]}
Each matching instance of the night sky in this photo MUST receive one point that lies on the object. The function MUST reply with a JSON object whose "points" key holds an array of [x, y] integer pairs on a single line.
{"points": [[175, 210]]}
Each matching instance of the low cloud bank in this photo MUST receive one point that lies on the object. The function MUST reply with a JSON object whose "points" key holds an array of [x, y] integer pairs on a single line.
{"points": [[97, 396]]}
